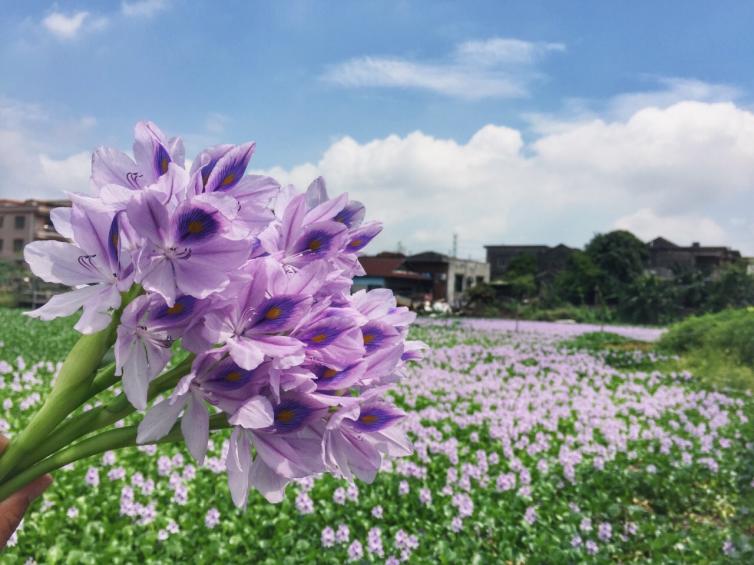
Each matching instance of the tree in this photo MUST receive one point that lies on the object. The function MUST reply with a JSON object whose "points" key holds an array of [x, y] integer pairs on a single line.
{"points": [[650, 300], [620, 257], [577, 282]]}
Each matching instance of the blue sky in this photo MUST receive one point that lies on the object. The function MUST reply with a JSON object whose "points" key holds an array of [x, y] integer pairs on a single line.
{"points": [[391, 100]]}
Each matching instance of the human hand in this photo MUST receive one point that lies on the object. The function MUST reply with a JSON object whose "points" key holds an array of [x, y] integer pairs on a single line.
{"points": [[12, 509]]}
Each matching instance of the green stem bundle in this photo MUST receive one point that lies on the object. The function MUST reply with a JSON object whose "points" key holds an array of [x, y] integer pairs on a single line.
{"points": [[106, 441]]}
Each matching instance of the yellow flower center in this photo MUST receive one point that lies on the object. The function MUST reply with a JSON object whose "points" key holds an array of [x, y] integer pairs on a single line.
{"points": [[177, 308], [233, 376], [285, 416], [273, 313], [315, 244], [369, 338], [164, 165], [368, 419], [355, 243], [319, 338], [229, 178], [329, 373], [195, 227]]}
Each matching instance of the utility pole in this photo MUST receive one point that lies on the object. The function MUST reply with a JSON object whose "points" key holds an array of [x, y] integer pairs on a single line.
{"points": [[455, 245]]}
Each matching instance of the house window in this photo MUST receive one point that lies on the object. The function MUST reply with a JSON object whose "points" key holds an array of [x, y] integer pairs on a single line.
{"points": [[458, 285], [1, 245], [20, 222], [479, 280], [18, 245], [2, 218]]}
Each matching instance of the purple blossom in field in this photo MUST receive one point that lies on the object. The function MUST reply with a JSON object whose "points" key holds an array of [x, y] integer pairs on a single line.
{"points": [[116, 474], [631, 528], [163, 535], [339, 496], [591, 547], [304, 503], [355, 551], [72, 513], [576, 541], [92, 476], [456, 524], [352, 492], [585, 525], [374, 542], [728, 547], [506, 481], [173, 527], [342, 534], [328, 537], [605, 531], [425, 496], [530, 516], [403, 488], [377, 512], [212, 518]]}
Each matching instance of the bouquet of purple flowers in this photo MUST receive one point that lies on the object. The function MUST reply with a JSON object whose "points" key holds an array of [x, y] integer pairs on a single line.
{"points": [[226, 300]]}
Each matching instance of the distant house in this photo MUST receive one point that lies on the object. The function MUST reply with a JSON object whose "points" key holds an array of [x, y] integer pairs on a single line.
{"points": [[451, 277], [665, 257], [427, 275], [550, 260], [385, 270], [24, 221]]}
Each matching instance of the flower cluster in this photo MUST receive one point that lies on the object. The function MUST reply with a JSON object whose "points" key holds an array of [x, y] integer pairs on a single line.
{"points": [[254, 279]]}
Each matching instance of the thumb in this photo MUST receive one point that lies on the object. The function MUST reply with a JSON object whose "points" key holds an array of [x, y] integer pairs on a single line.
{"points": [[12, 509]]}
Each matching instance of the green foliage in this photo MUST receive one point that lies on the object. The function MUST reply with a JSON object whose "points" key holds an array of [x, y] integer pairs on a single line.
{"points": [[620, 257], [718, 347], [649, 300], [577, 282], [522, 265]]}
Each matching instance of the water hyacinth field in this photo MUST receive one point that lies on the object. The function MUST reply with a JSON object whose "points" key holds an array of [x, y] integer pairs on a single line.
{"points": [[527, 450]]}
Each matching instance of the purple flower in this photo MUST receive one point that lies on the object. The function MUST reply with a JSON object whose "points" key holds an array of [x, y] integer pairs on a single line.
{"points": [[328, 537], [95, 263], [212, 518], [187, 251], [355, 551], [343, 534]]}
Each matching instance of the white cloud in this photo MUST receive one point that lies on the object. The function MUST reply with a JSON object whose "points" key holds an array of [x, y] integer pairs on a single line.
{"points": [[671, 91], [30, 157], [682, 229], [66, 27], [143, 8], [677, 171], [504, 50], [493, 68]]}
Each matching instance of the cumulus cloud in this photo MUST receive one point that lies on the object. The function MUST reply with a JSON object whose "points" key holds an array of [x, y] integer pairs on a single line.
{"points": [[660, 172], [492, 68], [681, 229], [30, 141], [71, 26]]}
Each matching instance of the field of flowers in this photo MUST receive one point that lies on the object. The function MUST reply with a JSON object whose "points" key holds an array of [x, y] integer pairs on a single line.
{"points": [[527, 451]]}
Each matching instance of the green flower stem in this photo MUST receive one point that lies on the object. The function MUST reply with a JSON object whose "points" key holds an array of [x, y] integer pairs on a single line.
{"points": [[106, 441], [104, 379], [70, 391], [101, 416]]}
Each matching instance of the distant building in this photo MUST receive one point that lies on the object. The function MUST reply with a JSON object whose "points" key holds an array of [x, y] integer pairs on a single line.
{"points": [[550, 260], [451, 277], [665, 257], [423, 276], [385, 270], [24, 221]]}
